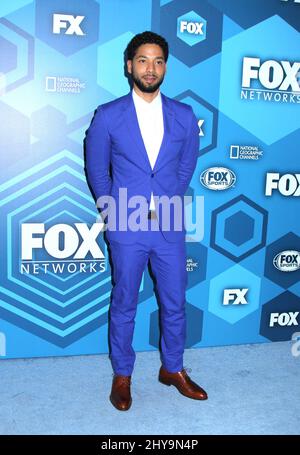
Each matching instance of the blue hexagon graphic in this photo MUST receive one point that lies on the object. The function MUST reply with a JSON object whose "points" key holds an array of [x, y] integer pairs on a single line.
{"points": [[273, 39], [238, 250], [60, 309], [239, 228], [9, 55], [207, 116], [53, 308], [14, 135], [193, 44], [57, 311], [17, 55], [67, 26], [191, 28], [234, 280]]}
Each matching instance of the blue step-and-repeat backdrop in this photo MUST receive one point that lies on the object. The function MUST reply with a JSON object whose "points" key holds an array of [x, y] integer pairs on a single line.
{"points": [[237, 63]]}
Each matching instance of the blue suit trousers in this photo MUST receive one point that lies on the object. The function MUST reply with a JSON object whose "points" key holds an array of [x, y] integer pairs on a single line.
{"points": [[168, 264]]}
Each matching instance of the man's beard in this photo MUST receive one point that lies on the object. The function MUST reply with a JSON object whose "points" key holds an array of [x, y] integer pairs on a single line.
{"points": [[147, 88]]}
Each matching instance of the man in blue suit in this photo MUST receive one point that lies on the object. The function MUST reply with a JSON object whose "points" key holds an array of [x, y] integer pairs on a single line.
{"points": [[143, 148]]}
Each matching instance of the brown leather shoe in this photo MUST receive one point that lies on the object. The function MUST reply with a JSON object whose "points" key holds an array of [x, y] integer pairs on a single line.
{"points": [[120, 392], [183, 383]]}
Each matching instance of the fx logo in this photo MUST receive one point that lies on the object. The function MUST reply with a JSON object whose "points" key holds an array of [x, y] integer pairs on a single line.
{"points": [[61, 21], [235, 296]]}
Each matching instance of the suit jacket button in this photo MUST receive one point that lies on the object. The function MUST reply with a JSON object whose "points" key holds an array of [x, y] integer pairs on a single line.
{"points": [[152, 175]]}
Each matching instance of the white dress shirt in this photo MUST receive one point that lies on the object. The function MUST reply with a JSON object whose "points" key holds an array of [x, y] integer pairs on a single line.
{"points": [[150, 118]]}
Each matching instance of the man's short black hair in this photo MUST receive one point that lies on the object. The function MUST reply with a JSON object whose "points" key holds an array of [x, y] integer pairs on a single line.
{"points": [[146, 37]]}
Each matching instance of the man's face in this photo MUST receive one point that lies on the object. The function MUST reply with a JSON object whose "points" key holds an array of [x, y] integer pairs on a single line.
{"points": [[148, 67]]}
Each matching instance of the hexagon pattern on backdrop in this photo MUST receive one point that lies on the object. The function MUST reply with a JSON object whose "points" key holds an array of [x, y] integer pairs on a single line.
{"points": [[235, 64]]}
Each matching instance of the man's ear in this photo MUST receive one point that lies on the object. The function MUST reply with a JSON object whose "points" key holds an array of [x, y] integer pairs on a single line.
{"points": [[129, 66]]}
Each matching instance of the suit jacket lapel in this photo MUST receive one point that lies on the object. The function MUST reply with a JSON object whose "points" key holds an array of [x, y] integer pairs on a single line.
{"points": [[135, 132]]}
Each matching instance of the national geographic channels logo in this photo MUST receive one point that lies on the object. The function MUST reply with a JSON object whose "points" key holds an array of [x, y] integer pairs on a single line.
{"points": [[62, 84], [271, 80], [191, 265], [245, 152], [68, 249]]}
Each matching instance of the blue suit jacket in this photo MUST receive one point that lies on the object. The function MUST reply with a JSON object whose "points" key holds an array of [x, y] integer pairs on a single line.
{"points": [[116, 157]]}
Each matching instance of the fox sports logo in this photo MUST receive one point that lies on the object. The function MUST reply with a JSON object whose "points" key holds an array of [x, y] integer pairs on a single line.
{"points": [[218, 178], [287, 261]]}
